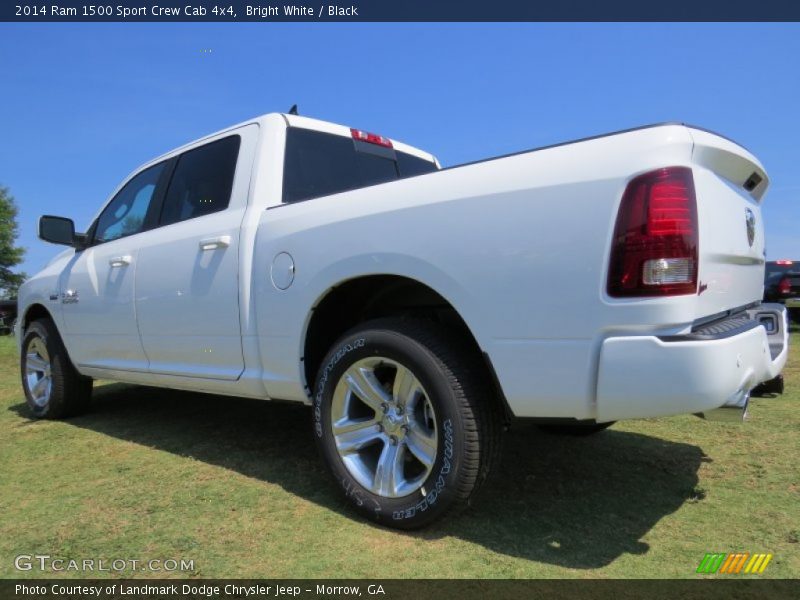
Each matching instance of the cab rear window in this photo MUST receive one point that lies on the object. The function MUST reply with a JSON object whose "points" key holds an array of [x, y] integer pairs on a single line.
{"points": [[320, 164]]}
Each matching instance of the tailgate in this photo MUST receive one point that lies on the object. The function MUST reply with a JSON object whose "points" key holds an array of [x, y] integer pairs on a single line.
{"points": [[730, 184]]}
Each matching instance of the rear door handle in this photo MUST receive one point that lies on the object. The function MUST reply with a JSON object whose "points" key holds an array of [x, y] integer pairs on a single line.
{"points": [[215, 243], [119, 261]]}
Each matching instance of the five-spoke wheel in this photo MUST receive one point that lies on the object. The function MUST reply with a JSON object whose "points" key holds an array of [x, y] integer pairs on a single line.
{"points": [[37, 371], [384, 426], [53, 387]]}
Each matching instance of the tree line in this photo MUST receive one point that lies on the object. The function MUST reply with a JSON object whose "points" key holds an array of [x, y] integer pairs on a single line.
{"points": [[11, 255]]}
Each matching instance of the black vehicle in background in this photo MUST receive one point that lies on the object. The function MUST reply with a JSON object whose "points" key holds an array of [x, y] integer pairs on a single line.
{"points": [[8, 314], [782, 282]]}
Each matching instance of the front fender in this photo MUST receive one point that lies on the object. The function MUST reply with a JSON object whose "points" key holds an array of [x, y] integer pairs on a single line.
{"points": [[43, 289]]}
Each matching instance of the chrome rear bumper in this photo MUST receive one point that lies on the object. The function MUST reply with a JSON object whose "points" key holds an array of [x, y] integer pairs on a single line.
{"points": [[733, 411]]}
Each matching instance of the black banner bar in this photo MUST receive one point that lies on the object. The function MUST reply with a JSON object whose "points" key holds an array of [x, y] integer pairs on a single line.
{"points": [[400, 11], [394, 589]]}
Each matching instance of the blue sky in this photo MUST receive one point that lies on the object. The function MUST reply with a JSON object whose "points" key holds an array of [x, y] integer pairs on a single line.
{"points": [[83, 104]]}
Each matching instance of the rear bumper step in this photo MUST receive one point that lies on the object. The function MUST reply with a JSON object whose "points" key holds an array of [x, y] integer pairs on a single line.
{"points": [[720, 329]]}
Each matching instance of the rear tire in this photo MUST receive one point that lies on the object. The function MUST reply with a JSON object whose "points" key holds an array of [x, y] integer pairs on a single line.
{"points": [[577, 430], [53, 387], [405, 421]]}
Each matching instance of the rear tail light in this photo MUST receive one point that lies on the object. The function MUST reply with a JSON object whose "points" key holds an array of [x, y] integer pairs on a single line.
{"points": [[654, 250], [785, 286], [783, 262]]}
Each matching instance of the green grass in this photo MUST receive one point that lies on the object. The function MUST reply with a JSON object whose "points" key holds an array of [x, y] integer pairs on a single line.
{"points": [[236, 486]]}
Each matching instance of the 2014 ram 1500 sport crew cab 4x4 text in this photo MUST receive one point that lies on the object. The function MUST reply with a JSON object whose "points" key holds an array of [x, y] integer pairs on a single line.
{"points": [[417, 309]]}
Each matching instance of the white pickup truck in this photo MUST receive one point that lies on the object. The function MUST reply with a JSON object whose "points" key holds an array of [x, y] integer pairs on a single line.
{"points": [[416, 309]]}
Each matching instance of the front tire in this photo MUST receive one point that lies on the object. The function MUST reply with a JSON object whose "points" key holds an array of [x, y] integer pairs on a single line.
{"points": [[404, 421], [53, 387]]}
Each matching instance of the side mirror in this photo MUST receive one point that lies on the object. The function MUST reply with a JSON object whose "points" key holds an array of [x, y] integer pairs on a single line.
{"points": [[59, 230]]}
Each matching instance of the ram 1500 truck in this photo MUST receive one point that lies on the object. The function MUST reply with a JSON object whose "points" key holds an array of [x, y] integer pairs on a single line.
{"points": [[416, 309]]}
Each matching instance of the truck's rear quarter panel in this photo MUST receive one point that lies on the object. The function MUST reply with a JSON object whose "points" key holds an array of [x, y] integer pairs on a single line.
{"points": [[520, 247]]}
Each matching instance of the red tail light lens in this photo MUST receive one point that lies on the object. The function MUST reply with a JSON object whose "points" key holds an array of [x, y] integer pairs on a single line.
{"points": [[654, 250], [785, 286]]}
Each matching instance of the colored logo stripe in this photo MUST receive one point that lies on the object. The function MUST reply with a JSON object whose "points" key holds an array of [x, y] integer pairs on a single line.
{"points": [[710, 563], [734, 563], [758, 563]]}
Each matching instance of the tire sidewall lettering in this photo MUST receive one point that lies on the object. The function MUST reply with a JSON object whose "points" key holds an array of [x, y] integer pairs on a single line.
{"points": [[343, 351], [429, 499]]}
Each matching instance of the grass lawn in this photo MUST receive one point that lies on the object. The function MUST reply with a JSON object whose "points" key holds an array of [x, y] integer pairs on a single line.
{"points": [[236, 486]]}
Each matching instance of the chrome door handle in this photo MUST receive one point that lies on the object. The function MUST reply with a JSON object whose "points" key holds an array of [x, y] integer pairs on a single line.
{"points": [[214, 243], [119, 261]]}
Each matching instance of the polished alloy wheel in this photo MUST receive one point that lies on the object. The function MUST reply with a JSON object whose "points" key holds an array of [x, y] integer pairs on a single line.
{"points": [[37, 372], [384, 427]]}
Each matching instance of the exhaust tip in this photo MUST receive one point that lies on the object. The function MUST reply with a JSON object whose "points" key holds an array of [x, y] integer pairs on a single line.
{"points": [[733, 411]]}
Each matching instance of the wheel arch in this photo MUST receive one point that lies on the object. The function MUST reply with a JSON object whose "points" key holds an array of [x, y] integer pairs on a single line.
{"points": [[35, 311], [366, 297]]}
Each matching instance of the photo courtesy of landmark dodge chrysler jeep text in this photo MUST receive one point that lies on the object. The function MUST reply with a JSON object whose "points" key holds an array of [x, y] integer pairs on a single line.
{"points": [[417, 309]]}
